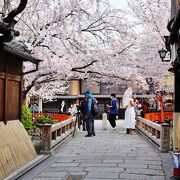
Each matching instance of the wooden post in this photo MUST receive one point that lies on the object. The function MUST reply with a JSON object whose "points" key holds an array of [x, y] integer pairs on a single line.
{"points": [[5, 93], [164, 136], [46, 138]]}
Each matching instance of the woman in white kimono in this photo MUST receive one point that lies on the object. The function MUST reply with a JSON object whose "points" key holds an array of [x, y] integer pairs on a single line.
{"points": [[129, 122]]}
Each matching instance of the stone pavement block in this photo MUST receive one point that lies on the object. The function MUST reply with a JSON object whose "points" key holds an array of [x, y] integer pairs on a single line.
{"points": [[64, 164], [140, 177], [67, 151], [91, 154], [155, 167], [64, 169], [146, 158], [86, 157], [148, 153], [66, 155], [82, 173], [98, 165], [138, 166], [111, 157], [87, 160], [85, 151], [65, 160], [52, 175], [142, 146], [104, 169], [144, 171], [144, 154], [102, 175], [113, 161], [148, 162], [119, 155], [150, 148]]}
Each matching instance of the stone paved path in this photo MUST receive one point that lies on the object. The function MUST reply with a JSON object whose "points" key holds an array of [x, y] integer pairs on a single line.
{"points": [[110, 155]]}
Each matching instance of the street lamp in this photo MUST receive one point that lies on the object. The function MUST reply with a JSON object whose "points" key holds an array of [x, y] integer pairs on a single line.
{"points": [[162, 54]]}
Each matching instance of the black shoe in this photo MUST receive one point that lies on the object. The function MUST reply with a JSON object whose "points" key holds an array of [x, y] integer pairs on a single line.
{"points": [[84, 129], [88, 135], [94, 134]]}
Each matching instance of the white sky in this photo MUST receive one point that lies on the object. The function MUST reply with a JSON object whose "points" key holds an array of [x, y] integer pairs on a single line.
{"points": [[118, 3], [122, 4]]}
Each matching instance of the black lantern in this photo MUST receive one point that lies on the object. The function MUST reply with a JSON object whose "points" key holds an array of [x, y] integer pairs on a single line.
{"points": [[162, 54]]}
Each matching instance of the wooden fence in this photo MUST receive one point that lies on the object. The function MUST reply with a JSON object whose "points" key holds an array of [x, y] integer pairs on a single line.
{"points": [[158, 133], [16, 148], [52, 134]]}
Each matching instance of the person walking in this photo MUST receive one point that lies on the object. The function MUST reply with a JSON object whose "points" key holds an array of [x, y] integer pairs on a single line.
{"points": [[129, 122], [89, 115], [113, 111]]}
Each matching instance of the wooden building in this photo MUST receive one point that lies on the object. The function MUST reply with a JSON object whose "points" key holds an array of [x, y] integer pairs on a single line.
{"points": [[173, 45], [16, 148]]}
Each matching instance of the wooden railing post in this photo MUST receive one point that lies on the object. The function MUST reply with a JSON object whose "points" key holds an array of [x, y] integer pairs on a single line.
{"points": [[52, 134], [165, 133], [46, 138]]}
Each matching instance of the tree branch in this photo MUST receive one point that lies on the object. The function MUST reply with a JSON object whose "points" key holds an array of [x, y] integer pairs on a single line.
{"points": [[28, 88], [125, 49], [83, 67], [16, 11]]}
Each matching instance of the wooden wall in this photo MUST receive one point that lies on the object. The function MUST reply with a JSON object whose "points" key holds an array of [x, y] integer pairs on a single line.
{"points": [[10, 87], [1, 99]]}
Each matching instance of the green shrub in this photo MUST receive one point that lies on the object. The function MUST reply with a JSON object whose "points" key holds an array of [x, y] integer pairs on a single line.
{"points": [[27, 118], [44, 120]]}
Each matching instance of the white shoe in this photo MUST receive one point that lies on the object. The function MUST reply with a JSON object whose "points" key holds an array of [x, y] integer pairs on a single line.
{"points": [[114, 128]]}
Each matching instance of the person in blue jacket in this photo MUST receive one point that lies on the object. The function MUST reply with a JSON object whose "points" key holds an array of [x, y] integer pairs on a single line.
{"points": [[113, 111], [89, 115]]}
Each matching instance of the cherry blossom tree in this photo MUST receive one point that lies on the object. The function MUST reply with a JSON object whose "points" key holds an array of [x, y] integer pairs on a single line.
{"points": [[88, 39], [152, 18]]}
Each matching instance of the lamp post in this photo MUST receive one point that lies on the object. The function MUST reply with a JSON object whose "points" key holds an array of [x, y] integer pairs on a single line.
{"points": [[162, 55]]}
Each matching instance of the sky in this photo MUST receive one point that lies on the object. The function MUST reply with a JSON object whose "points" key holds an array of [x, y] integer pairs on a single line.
{"points": [[118, 3]]}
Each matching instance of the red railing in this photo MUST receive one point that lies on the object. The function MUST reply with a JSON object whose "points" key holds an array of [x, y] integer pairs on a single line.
{"points": [[156, 116], [55, 117]]}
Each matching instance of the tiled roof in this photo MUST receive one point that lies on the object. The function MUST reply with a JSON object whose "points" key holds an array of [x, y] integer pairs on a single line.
{"points": [[17, 49]]}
